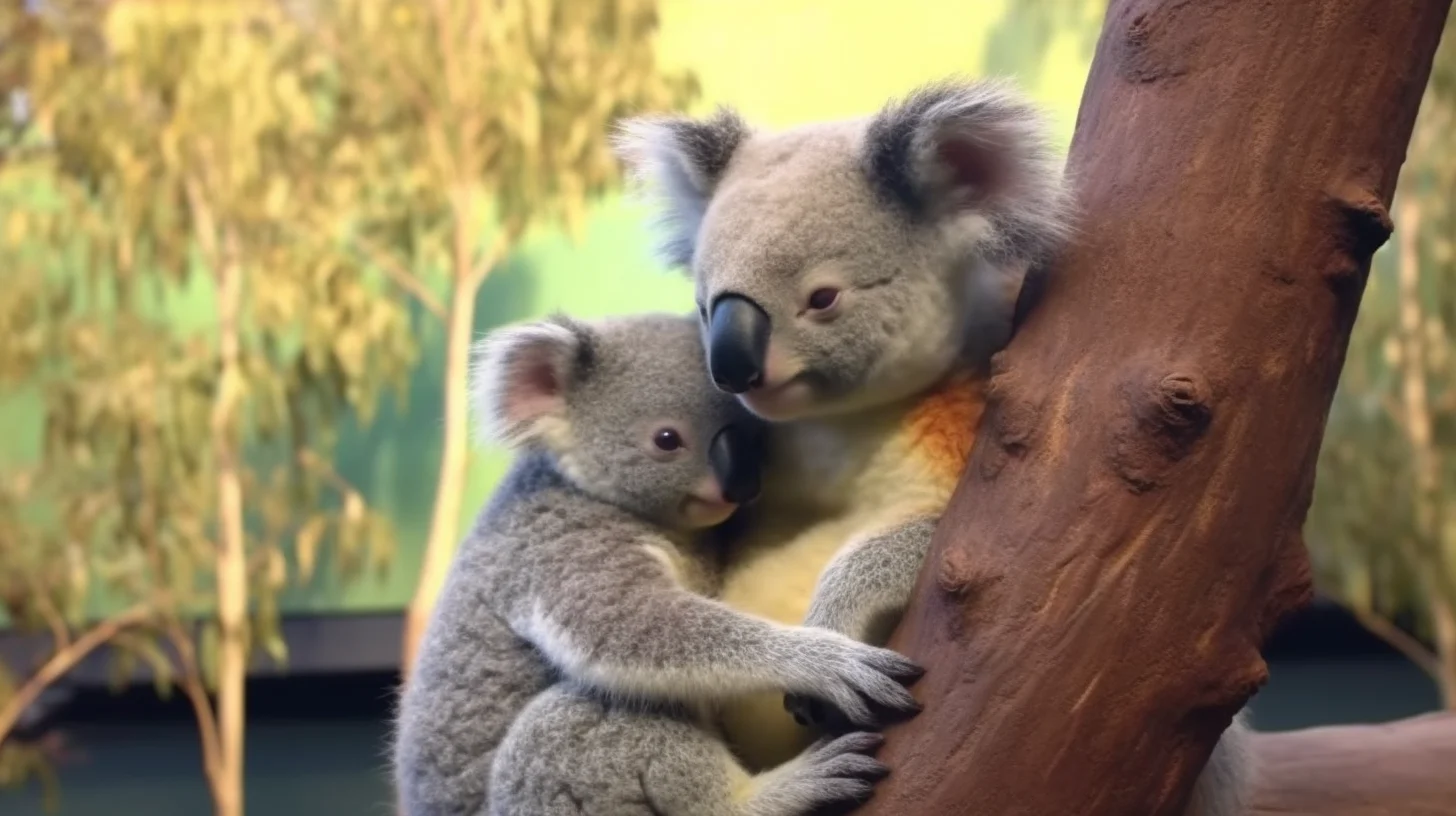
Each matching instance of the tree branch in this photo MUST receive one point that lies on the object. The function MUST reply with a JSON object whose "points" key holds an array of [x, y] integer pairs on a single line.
{"points": [[1400, 768], [1400, 640], [60, 632], [204, 225], [65, 659], [400, 276], [191, 683], [500, 247]]}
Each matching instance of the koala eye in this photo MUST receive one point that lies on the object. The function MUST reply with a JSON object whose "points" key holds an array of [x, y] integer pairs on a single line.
{"points": [[702, 313], [667, 440], [823, 298]]}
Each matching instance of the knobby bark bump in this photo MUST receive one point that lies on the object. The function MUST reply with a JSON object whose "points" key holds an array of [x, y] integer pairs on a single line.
{"points": [[1127, 532]]}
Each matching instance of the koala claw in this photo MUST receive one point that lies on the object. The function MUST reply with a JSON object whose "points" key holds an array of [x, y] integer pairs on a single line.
{"points": [[833, 771], [857, 688]]}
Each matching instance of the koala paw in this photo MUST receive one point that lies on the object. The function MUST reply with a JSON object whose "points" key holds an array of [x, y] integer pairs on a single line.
{"points": [[830, 772], [851, 686]]}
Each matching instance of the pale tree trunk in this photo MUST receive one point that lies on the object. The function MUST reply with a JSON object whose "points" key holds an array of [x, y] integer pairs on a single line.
{"points": [[1444, 623], [232, 562], [1128, 530], [454, 450], [1432, 567]]}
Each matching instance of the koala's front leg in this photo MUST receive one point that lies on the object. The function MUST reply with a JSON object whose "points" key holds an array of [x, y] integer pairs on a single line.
{"points": [[868, 582], [871, 579], [656, 641]]}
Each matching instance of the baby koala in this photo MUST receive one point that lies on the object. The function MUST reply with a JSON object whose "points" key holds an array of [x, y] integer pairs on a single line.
{"points": [[589, 573]]}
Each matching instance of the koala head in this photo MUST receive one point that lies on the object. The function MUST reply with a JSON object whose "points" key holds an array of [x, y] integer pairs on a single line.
{"points": [[844, 265], [625, 408]]}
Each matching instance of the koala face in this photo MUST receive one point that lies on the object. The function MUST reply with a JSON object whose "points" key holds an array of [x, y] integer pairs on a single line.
{"points": [[626, 408], [839, 266]]}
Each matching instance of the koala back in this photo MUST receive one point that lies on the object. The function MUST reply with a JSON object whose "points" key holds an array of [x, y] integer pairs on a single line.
{"points": [[626, 457], [478, 666]]}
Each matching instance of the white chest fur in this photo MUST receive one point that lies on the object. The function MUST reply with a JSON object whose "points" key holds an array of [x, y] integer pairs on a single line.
{"points": [[829, 487]]}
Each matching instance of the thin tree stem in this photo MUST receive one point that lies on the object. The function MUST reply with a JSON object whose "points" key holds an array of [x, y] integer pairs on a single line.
{"points": [[191, 682], [64, 659], [1400, 640]]}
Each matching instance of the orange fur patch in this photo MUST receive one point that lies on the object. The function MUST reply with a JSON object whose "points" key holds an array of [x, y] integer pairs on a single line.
{"points": [[941, 429]]}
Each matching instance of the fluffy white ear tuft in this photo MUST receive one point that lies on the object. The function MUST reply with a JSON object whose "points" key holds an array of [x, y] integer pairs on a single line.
{"points": [[679, 162], [519, 377]]}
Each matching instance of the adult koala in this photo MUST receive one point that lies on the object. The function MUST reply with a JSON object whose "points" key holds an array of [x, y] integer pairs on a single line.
{"points": [[851, 278]]}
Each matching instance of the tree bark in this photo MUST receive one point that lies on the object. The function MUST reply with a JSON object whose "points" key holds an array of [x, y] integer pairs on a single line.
{"points": [[1403, 768], [1127, 531]]}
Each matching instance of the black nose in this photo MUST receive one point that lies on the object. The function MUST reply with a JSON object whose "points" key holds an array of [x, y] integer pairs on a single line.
{"points": [[737, 343], [736, 457]]}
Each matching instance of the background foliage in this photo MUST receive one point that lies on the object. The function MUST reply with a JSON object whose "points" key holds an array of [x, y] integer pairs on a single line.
{"points": [[299, 172]]}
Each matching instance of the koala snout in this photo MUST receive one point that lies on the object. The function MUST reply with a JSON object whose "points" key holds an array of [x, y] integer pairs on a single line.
{"points": [[738, 335], [736, 465]]}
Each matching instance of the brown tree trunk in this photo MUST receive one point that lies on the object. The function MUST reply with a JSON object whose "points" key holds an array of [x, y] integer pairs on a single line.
{"points": [[1128, 529], [1404, 768]]}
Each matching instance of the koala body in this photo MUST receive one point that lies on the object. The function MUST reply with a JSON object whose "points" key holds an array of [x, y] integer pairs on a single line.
{"points": [[589, 573], [851, 279], [573, 751]]}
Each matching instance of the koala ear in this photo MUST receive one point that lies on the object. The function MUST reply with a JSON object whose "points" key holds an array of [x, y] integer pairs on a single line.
{"points": [[972, 148], [679, 161], [520, 377]]}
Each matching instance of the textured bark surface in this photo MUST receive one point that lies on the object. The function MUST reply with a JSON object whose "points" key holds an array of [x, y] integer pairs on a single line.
{"points": [[1128, 529], [1405, 768]]}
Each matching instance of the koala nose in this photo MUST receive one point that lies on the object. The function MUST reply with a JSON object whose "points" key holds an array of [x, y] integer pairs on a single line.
{"points": [[738, 332], [735, 460]]}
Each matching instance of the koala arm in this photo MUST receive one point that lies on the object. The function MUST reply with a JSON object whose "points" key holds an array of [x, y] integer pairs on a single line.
{"points": [[630, 630], [868, 582], [871, 579]]}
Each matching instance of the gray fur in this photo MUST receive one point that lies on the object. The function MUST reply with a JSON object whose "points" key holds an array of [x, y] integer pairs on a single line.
{"points": [[1226, 785], [572, 753], [586, 566], [684, 158], [863, 593], [934, 207], [864, 590], [926, 217]]}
